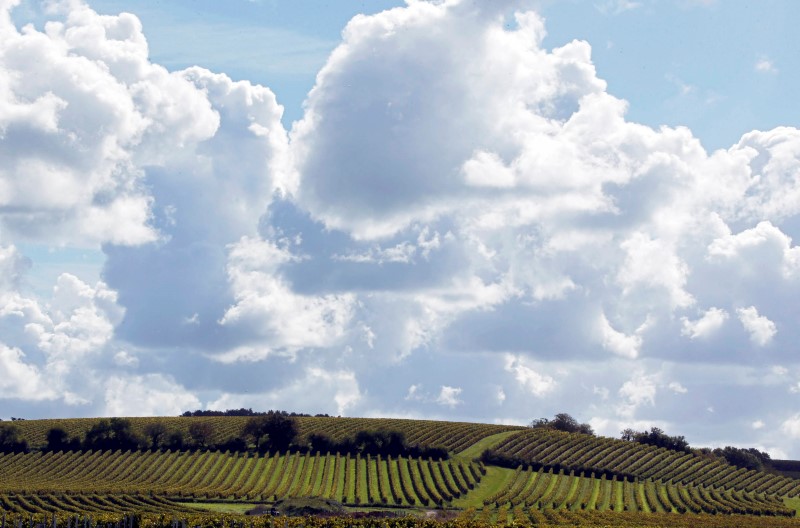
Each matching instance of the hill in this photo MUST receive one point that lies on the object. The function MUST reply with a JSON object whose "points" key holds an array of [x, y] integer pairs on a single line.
{"points": [[490, 473]]}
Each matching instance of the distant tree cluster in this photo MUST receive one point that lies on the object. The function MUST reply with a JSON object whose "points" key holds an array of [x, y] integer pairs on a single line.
{"points": [[748, 458], [562, 422], [658, 438], [117, 433], [384, 443], [243, 412]]}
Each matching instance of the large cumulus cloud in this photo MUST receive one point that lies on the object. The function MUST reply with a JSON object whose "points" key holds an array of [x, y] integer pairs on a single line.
{"points": [[464, 224]]}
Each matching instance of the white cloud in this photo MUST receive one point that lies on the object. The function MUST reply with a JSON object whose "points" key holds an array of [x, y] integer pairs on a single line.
{"points": [[615, 7], [760, 328], [618, 342], [124, 359], [708, 324], [21, 380], [638, 391], [765, 65], [421, 214], [677, 388], [147, 395], [267, 306], [603, 392], [758, 424], [791, 427], [529, 379], [414, 392], [448, 396], [335, 391]]}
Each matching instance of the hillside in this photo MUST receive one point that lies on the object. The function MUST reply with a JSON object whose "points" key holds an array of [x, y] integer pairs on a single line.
{"points": [[454, 436], [527, 475]]}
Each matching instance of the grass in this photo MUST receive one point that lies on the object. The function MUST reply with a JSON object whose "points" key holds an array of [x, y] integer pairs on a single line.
{"points": [[793, 504], [476, 449], [492, 482], [222, 507]]}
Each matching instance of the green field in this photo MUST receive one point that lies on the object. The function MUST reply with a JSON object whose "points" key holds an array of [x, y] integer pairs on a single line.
{"points": [[562, 479]]}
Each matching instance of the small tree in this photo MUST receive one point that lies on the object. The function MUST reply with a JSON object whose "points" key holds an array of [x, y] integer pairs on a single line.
{"points": [[10, 440], [156, 432], [276, 427], [58, 440], [256, 428], [175, 440], [201, 432], [282, 430]]}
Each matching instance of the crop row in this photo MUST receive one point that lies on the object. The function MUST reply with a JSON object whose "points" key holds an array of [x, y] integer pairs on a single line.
{"points": [[82, 503], [545, 518], [454, 436], [589, 453], [541, 490], [345, 478]]}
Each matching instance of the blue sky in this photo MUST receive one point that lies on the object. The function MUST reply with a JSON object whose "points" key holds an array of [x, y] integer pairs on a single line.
{"points": [[458, 210]]}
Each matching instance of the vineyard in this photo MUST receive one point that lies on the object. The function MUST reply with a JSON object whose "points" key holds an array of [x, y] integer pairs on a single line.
{"points": [[539, 490], [468, 519], [240, 476], [586, 452], [528, 477], [454, 436]]}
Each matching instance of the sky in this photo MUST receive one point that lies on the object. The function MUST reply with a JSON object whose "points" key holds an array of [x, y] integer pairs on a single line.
{"points": [[458, 210]]}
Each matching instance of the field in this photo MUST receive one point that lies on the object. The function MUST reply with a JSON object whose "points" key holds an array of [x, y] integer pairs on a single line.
{"points": [[543, 478]]}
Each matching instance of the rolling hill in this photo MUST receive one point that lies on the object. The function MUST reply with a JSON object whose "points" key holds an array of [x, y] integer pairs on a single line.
{"points": [[493, 473]]}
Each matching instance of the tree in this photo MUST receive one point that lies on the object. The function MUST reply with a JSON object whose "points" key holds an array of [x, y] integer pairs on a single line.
{"points": [[155, 431], [115, 433], [58, 440], [276, 427], [562, 422], [10, 441], [256, 428], [656, 437], [201, 432], [175, 440], [749, 458]]}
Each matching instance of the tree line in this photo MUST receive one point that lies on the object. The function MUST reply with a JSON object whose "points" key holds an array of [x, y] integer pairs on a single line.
{"points": [[271, 431]]}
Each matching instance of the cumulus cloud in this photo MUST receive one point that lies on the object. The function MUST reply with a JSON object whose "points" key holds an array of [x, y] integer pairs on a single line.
{"points": [[529, 379], [760, 328], [149, 395], [448, 396], [334, 391], [21, 380], [420, 215], [711, 321], [618, 342], [791, 426], [638, 391], [285, 320]]}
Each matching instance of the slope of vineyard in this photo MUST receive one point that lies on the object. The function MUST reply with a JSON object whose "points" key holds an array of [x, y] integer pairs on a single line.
{"points": [[345, 478], [528, 489], [454, 436], [588, 453], [82, 503]]}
